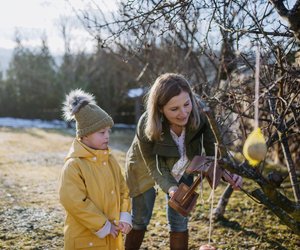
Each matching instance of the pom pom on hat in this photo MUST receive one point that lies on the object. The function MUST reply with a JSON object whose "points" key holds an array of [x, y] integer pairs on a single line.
{"points": [[75, 100], [81, 107]]}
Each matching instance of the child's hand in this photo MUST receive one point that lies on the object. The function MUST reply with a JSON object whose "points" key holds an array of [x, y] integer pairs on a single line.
{"points": [[114, 230], [124, 227]]}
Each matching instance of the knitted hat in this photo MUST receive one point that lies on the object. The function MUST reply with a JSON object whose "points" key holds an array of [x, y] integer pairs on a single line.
{"points": [[81, 107]]}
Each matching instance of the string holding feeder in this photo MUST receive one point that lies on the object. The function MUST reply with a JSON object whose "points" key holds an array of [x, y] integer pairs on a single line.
{"points": [[209, 246], [255, 147]]}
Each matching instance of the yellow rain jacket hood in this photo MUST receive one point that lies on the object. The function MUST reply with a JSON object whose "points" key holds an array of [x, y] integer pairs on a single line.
{"points": [[92, 191]]}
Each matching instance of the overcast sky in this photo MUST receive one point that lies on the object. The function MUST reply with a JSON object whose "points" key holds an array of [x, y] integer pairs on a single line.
{"points": [[34, 18]]}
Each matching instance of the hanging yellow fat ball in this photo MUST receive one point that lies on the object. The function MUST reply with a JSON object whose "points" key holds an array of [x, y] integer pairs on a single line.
{"points": [[255, 147]]}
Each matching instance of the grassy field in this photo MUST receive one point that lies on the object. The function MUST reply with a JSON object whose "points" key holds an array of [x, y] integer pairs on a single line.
{"points": [[32, 218]]}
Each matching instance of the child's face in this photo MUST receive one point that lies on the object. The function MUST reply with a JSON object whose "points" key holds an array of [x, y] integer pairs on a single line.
{"points": [[97, 140]]}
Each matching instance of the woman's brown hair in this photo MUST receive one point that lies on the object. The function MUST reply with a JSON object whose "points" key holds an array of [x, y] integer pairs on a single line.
{"points": [[165, 87]]}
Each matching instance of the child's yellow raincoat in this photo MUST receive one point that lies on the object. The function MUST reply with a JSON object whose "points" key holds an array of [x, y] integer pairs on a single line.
{"points": [[92, 191]]}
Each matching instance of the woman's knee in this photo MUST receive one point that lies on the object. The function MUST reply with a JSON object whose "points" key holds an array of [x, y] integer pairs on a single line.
{"points": [[177, 222]]}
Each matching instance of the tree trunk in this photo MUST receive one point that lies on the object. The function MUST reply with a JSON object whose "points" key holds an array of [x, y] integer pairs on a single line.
{"points": [[219, 211]]}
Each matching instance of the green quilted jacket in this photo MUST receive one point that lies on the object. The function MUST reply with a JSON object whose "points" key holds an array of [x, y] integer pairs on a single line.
{"points": [[148, 162]]}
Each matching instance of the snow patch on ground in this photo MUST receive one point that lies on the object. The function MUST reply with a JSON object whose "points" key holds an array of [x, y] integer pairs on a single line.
{"points": [[37, 123], [34, 123]]}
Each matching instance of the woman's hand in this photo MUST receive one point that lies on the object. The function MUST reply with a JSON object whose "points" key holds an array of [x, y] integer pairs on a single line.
{"points": [[234, 180], [238, 182], [172, 190]]}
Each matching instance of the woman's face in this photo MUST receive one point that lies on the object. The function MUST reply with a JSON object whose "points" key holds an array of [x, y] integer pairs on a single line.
{"points": [[178, 109]]}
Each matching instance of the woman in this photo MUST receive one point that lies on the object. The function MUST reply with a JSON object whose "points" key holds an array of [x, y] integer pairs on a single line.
{"points": [[169, 134]]}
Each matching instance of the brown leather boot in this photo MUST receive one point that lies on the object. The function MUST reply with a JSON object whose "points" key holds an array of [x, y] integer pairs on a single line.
{"points": [[179, 240], [134, 239]]}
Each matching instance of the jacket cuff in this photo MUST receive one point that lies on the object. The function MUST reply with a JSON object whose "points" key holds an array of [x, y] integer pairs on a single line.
{"points": [[126, 217], [104, 231]]}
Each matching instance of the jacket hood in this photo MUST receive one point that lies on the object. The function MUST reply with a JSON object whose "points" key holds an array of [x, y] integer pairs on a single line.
{"points": [[80, 150]]}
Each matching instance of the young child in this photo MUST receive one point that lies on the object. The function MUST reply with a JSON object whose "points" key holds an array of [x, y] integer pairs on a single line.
{"points": [[92, 189]]}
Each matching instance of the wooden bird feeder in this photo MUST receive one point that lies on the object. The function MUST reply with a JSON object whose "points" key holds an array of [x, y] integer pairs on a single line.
{"points": [[185, 198]]}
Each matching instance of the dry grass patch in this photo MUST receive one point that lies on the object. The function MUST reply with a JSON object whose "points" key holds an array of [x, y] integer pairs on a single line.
{"points": [[32, 218]]}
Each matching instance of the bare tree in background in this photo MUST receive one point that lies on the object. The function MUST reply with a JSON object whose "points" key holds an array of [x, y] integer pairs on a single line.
{"points": [[213, 43]]}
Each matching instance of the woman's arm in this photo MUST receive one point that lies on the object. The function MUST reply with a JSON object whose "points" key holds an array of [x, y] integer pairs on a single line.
{"points": [[160, 174]]}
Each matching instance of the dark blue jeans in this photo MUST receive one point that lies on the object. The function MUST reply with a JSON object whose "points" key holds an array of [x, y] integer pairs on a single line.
{"points": [[142, 207]]}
